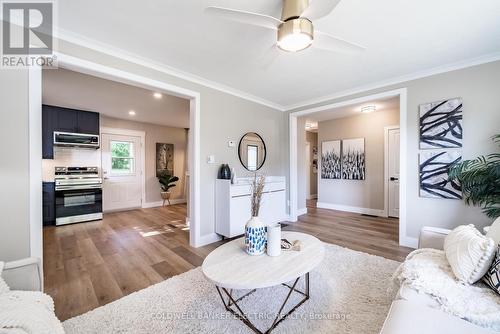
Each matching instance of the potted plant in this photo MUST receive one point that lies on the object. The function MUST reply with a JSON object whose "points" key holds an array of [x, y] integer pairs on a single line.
{"points": [[167, 182], [480, 180]]}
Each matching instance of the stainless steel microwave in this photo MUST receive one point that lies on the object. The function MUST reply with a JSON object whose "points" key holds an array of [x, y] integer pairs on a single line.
{"points": [[76, 139]]}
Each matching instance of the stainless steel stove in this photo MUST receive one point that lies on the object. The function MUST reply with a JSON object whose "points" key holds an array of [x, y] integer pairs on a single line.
{"points": [[78, 194]]}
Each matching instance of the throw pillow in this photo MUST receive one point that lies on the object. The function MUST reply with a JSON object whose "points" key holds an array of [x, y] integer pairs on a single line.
{"points": [[494, 231], [3, 286], [469, 253], [492, 277]]}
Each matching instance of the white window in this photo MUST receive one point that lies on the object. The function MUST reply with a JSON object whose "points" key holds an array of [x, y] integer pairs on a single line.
{"points": [[252, 155], [122, 157]]}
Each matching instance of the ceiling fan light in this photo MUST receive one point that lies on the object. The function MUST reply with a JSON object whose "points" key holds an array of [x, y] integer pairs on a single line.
{"points": [[295, 35]]}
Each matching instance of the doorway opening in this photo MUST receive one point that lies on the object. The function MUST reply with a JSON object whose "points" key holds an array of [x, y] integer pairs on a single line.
{"points": [[361, 159]]}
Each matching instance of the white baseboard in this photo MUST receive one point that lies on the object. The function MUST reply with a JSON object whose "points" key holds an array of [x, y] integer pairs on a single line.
{"points": [[160, 203], [208, 239], [355, 209], [301, 212], [409, 242]]}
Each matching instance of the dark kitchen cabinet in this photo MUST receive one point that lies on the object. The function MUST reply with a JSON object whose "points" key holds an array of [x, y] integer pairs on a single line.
{"points": [[65, 120], [88, 122], [49, 203]]}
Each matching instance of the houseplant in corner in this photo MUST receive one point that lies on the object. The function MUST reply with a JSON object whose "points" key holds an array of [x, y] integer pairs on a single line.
{"points": [[167, 182], [255, 229], [480, 180]]}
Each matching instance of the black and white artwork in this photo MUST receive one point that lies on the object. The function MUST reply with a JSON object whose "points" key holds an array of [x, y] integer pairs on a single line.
{"points": [[441, 124], [434, 181], [330, 160], [353, 159]]}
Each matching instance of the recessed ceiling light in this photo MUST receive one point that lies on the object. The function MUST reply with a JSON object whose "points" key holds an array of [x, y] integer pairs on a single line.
{"points": [[157, 95], [367, 109], [131, 113]]}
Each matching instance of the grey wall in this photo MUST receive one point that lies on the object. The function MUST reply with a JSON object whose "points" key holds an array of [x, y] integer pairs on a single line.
{"points": [[366, 193], [312, 139], [478, 86], [14, 165], [157, 134]]}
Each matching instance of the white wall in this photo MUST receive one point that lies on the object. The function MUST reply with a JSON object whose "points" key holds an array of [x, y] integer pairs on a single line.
{"points": [[14, 165], [478, 86], [363, 194]]}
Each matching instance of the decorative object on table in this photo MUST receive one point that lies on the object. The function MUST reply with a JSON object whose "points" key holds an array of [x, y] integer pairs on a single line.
{"points": [[224, 172], [480, 182], [274, 240], [330, 160], [233, 175], [294, 245], [434, 179], [164, 159], [166, 182], [353, 159], [255, 229], [441, 124]]}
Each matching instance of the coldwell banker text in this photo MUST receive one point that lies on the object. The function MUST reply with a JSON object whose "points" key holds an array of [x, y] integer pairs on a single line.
{"points": [[27, 34]]}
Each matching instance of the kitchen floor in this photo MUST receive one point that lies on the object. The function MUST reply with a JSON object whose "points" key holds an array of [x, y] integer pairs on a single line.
{"points": [[87, 265]]}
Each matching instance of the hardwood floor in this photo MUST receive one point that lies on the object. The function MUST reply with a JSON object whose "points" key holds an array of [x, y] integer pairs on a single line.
{"points": [[91, 264]]}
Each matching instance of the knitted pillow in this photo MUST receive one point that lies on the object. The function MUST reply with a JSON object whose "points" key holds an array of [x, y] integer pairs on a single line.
{"points": [[469, 253], [3, 286], [492, 277]]}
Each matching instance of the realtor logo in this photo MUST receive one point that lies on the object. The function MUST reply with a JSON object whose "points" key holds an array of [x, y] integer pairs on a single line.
{"points": [[27, 34]]}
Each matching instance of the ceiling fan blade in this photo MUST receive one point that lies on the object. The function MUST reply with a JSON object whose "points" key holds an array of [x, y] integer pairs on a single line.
{"points": [[328, 42], [242, 16], [319, 8]]}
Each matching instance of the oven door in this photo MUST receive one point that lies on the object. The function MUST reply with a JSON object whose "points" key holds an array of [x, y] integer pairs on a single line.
{"points": [[77, 205]]}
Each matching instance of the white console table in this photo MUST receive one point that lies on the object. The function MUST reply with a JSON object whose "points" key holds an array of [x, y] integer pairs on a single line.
{"points": [[232, 204]]}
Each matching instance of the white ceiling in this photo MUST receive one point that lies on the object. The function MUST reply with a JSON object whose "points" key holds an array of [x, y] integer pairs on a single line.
{"points": [[70, 89], [352, 110], [402, 38]]}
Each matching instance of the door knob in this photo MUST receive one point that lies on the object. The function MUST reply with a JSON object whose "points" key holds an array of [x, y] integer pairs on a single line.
{"points": [[394, 178]]}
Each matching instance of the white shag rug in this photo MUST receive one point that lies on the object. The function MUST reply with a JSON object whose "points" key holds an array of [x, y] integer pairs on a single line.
{"points": [[349, 294]]}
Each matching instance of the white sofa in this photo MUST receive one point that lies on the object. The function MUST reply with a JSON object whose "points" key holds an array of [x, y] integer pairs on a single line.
{"points": [[414, 313]]}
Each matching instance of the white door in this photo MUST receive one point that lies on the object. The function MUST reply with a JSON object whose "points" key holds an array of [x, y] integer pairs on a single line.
{"points": [[308, 171], [393, 157], [122, 172]]}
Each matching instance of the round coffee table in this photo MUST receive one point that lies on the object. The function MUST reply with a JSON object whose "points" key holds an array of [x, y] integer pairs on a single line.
{"points": [[230, 268]]}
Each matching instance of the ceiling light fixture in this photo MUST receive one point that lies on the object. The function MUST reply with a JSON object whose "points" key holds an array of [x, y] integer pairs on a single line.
{"points": [[295, 35], [131, 113], [367, 109], [157, 95]]}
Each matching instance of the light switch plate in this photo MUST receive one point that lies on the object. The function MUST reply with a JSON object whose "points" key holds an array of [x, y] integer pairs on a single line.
{"points": [[211, 159], [231, 143]]}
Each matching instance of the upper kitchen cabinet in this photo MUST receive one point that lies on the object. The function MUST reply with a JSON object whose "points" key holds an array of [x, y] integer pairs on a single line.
{"points": [[65, 120]]}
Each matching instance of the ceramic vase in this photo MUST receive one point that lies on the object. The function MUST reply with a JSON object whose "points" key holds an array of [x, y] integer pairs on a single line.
{"points": [[274, 240], [224, 172], [255, 236]]}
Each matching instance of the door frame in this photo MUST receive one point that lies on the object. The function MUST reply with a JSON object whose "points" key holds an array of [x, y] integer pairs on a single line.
{"points": [[386, 166], [308, 171], [132, 133], [110, 73], [402, 93]]}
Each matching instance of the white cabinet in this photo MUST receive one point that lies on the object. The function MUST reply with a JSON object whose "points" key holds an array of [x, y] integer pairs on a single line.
{"points": [[232, 204]]}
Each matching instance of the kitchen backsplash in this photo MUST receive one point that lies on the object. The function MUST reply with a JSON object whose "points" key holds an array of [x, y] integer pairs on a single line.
{"points": [[70, 157]]}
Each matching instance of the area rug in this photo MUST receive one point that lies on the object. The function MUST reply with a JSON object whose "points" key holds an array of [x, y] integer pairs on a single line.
{"points": [[349, 294]]}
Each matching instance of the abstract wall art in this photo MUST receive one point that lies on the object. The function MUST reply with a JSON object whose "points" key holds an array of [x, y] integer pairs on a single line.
{"points": [[353, 159], [164, 159], [441, 124], [330, 160], [434, 181]]}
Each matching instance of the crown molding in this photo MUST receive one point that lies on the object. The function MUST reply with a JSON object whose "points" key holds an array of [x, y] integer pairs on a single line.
{"points": [[397, 80], [152, 64], [149, 63]]}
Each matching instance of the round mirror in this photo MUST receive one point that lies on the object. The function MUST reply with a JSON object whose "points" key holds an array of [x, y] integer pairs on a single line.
{"points": [[252, 151]]}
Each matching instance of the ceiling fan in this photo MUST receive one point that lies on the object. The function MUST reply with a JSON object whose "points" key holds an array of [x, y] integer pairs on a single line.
{"points": [[295, 30]]}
